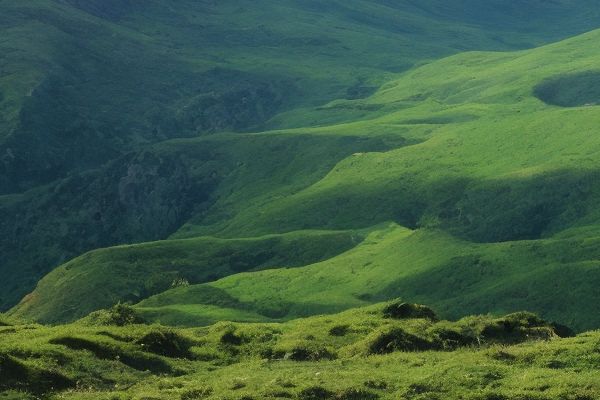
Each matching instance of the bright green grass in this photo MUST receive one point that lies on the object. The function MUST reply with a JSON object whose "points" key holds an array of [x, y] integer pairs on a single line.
{"points": [[102, 278], [235, 360], [556, 278]]}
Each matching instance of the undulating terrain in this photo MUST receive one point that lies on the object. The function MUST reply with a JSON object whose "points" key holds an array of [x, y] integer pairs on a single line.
{"points": [[292, 166]]}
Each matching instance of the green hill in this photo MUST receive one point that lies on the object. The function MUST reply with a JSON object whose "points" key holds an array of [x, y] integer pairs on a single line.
{"points": [[92, 92], [497, 190]]}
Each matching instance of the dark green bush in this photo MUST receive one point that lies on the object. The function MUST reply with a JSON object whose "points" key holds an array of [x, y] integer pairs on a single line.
{"points": [[230, 337], [199, 393], [376, 384], [355, 394], [397, 339], [309, 353], [398, 310], [339, 330], [166, 342], [118, 315], [450, 339], [315, 393]]}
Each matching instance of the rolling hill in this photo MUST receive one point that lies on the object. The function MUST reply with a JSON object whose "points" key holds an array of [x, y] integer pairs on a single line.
{"points": [[112, 112], [491, 196]]}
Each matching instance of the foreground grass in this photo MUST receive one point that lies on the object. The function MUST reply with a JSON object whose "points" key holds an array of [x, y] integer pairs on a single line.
{"points": [[386, 351]]}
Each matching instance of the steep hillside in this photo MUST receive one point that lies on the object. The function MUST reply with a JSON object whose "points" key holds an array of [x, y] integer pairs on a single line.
{"points": [[499, 193], [90, 90]]}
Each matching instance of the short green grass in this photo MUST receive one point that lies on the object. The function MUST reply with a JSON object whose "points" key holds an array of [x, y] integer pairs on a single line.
{"points": [[379, 352], [105, 277]]}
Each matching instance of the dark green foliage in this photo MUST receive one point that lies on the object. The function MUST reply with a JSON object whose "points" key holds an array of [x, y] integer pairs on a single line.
{"points": [[196, 394], [308, 353], [166, 342], [517, 327], [315, 393], [339, 330], [376, 384], [119, 315], [230, 337], [355, 394], [451, 339], [397, 339], [399, 310]]}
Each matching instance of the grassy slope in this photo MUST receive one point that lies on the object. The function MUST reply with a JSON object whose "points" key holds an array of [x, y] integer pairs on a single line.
{"points": [[93, 86], [149, 195], [469, 112], [458, 187], [555, 277], [462, 180], [84, 82], [83, 361], [102, 278]]}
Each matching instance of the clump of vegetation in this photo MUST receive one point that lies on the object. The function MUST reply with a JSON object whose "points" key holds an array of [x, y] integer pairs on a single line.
{"points": [[517, 327], [339, 330], [166, 342], [196, 394], [397, 339], [400, 310], [305, 351], [118, 315], [451, 338], [231, 337], [315, 393], [355, 394]]}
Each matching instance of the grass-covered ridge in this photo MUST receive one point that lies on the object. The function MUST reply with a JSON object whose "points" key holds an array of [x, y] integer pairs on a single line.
{"points": [[105, 277], [388, 351]]}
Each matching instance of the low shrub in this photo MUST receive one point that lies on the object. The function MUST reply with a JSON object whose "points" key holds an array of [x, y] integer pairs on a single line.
{"points": [[398, 310], [302, 352], [118, 315], [199, 393], [450, 339], [230, 337], [397, 339], [339, 330], [315, 393], [517, 328], [355, 394], [166, 342], [376, 384]]}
